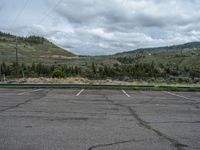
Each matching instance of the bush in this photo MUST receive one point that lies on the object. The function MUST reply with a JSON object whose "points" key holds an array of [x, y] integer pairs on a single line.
{"points": [[58, 74]]}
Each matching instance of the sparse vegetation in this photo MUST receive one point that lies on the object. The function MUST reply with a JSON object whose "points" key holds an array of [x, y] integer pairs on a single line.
{"points": [[31, 49], [58, 74]]}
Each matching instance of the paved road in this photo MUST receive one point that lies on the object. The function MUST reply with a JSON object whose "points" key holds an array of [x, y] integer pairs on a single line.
{"points": [[98, 120]]}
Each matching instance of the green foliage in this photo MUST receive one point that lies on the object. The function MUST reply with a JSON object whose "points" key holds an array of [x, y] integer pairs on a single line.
{"points": [[58, 74], [94, 70], [139, 71], [195, 72], [126, 60], [6, 34], [35, 40]]}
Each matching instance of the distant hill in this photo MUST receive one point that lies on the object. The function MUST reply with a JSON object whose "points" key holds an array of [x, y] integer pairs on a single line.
{"points": [[191, 45], [31, 49], [38, 49], [187, 55]]}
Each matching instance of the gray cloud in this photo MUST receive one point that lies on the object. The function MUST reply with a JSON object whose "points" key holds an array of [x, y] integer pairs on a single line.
{"points": [[120, 25], [109, 26]]}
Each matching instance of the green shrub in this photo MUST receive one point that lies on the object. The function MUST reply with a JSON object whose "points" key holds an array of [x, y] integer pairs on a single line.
{"points": [[58, 74]]}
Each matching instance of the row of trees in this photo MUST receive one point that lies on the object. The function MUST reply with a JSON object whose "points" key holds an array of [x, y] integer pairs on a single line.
{"points": [[96, 71], [31, 39], [34, 40], [36, 70], [143, 70]]}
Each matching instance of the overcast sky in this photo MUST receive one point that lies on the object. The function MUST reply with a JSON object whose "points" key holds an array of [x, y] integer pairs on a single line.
{"points": [[96, 27]]}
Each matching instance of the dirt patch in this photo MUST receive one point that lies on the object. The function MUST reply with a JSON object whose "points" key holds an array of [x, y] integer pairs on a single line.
{"points": [[59, 57]]}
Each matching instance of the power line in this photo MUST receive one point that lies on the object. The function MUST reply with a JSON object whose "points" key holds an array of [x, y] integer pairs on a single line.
{"points": [[10, 27], [49, 10], [2, 6], [19, 14]]}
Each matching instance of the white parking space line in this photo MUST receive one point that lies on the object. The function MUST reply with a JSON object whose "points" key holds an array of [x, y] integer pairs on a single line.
{"points": [[37, 90], [126, 93], [80, 92], [178, 95], [22, 93], [29, 92]]}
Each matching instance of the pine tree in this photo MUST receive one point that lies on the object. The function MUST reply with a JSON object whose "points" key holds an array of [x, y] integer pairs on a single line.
{"points": [[94, 70]]}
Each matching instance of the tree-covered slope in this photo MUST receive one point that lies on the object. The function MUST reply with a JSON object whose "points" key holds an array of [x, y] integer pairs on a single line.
{"points": [[31, 49], [186, 46], [187, 55]]}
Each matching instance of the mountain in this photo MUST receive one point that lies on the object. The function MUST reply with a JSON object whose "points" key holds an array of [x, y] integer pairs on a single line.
{"points": [[38, 49], [185, 55], [191, 45], [31, 49]]}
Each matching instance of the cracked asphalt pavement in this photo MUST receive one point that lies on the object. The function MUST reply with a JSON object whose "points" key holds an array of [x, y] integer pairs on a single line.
{"points": [[61, 119]]}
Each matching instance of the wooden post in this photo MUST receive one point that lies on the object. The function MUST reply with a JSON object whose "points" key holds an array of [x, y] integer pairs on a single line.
{"points": [[16, 48]]}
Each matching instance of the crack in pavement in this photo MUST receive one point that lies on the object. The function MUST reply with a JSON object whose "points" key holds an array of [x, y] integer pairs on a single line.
{"points": [[176, 122], [41, 95], [144, 124], [52, 118], [63, 112], [114, 143]]}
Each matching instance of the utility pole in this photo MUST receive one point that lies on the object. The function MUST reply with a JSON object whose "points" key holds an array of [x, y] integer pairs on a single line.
{"points": [[0, 66], [16, 48]]}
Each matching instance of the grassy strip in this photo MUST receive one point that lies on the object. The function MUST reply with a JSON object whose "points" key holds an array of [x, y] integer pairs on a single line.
{"points": [[175, 89]]}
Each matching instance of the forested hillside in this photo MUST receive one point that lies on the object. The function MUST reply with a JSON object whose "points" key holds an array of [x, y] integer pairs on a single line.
{"points": [[30, 49], [40, 58]]}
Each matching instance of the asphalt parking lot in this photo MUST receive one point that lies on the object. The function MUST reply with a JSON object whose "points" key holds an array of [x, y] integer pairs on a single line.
{"points": [[61, 119]]}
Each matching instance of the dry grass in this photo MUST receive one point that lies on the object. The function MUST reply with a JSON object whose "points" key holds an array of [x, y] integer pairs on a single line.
{"points": [[75, 80], [78, 80]]}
